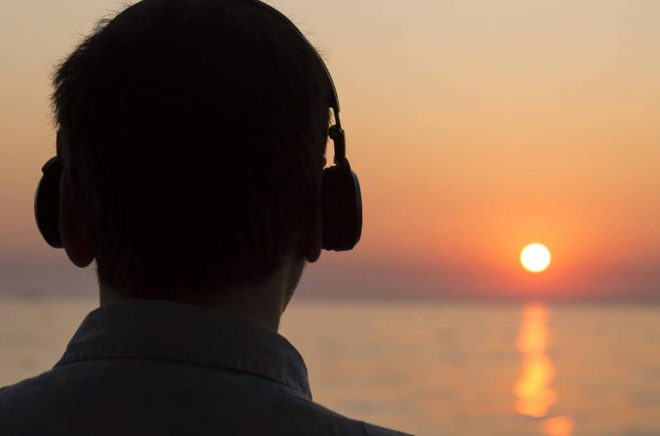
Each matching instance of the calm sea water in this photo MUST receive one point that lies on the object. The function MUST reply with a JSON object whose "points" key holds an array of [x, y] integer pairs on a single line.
{"points": [[436, 368]]}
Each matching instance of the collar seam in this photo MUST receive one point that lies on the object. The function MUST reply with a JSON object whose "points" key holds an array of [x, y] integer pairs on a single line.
{"points": [[233, 365]]}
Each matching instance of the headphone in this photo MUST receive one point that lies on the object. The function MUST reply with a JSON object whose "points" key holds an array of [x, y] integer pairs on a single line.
{"points": [[341, 200]]}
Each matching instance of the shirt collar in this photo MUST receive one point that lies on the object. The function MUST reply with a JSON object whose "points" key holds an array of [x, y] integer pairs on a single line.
{"points": [[181, 332]]}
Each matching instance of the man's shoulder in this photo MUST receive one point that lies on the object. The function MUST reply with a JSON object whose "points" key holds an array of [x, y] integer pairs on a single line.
{"points": [[20, 401], [342, 425], [24, 392], [20, 388], [301, 415], [257, 406]]}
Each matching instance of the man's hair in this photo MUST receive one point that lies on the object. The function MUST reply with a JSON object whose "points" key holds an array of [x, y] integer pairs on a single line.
{"points": [[195, 134]]}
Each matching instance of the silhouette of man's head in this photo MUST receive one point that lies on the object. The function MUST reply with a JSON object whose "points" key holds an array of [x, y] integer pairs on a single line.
{"points": [[195, 134]]}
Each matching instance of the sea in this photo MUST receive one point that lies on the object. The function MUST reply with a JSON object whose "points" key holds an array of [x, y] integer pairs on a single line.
{"points": [[434, 367]]}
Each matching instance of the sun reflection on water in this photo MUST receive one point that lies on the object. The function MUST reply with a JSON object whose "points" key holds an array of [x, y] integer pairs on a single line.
{"points": [[533, 389]]}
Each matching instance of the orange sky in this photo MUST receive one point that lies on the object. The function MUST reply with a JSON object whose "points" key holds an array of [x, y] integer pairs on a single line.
{"points": [[476, 127]]}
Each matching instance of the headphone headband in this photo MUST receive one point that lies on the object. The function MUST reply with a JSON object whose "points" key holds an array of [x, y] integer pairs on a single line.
{"points": [[334, 99]]}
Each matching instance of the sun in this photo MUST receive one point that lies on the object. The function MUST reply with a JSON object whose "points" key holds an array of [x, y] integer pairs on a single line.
{"points": [[535, 257]]}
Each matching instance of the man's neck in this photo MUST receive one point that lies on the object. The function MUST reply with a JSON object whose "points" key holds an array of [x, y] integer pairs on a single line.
{"points": [[261, 304]]}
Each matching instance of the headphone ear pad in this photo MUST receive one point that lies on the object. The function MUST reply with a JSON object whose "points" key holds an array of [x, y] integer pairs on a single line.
{"points": [[341, 208], [47, 208]]}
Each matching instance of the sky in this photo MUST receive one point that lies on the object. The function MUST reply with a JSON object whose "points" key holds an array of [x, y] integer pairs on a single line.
{"points": [[476, 127]]}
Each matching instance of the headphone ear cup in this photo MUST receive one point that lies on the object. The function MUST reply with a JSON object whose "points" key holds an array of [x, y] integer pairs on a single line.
{"points": [[47, 203], [341, 208]]}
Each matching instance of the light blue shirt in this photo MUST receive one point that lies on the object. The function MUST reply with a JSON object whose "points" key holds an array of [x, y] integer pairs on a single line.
{"points": [[151, 367]]}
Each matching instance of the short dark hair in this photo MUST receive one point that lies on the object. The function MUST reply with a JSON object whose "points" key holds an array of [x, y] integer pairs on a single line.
{"points": [[196, 134]]}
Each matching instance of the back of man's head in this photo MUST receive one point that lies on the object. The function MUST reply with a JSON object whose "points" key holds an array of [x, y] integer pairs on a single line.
{"points": [[195, 132]]}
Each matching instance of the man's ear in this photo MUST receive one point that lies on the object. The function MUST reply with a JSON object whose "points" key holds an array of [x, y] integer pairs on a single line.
{"points": [[75, 234]]}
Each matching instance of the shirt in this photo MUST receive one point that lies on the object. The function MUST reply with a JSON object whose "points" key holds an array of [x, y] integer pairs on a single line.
{"points": [[150, 367]]}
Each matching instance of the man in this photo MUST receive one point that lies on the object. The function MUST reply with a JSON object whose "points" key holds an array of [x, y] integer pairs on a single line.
{"points": [[190, 169]]}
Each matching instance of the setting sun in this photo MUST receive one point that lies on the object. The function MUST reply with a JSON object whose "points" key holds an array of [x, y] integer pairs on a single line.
{"points": [[535, 257]]}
